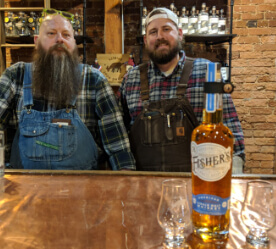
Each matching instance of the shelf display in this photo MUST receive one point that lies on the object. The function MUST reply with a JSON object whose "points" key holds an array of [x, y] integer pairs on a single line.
{"points": [[204, 26], [21, 24]]}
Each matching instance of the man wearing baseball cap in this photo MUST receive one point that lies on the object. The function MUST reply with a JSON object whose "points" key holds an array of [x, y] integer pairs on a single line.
{"points": [[163, 99]]}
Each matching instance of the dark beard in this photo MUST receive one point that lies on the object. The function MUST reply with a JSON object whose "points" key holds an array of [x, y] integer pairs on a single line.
{"points": [[56, 77], [163, 58]]}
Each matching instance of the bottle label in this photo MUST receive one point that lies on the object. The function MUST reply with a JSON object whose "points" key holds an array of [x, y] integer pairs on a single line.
{"points": [[222, 22], [213, 20], [193, 19], [211, 98], [210, 161], [184, 20], [203, 17], [210, 204]]}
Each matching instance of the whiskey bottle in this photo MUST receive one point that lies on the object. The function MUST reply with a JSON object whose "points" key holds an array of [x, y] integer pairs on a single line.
{"points": [[211, 150], [203, 20], [144, 16], [193, 21], [222, 23], [130, 63], [213, 21], [9, 24], [183, 21], [173, 8]]}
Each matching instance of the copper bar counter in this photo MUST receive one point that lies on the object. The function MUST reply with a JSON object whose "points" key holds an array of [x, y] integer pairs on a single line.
{"points": [[98, 210]]}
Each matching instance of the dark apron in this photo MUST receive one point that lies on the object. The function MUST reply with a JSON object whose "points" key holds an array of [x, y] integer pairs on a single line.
{"points": [[160, 137]]}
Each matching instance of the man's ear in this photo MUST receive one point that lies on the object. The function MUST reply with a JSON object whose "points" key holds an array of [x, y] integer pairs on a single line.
{"points": [[180, 33], [35, 40], [145, 39]]}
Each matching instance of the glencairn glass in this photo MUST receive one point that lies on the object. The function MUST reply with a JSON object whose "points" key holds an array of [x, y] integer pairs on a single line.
{"points": [[258, 212], [174, 213]]}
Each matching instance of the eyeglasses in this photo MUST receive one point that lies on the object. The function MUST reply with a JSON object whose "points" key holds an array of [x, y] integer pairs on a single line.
{"points": [[65, 14]]}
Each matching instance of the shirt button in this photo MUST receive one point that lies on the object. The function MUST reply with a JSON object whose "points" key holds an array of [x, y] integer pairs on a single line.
{"points": [[34, 131]]}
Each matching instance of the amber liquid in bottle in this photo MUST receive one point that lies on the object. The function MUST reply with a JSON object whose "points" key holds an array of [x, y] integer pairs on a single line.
{"points": [[212, 132]]}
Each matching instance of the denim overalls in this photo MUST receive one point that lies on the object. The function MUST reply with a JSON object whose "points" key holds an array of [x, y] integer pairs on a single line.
{"points": [[51, 140]]}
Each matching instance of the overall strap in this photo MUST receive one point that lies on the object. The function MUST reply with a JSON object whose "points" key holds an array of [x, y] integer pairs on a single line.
{"points": [[183, 82], [27, 85]]}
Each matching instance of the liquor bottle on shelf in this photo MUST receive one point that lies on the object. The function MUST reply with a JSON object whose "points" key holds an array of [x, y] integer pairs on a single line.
{"points": [[211, 150], [184, 21], [225, 73], [9, 24], [97, 65], [222, 23], [198, 24], [21, 24], [213, 21], [173, 8], [193, 21], [39, 20], [203, 19], [77, 24], [32, 23], [130, 63], [144, 16]]}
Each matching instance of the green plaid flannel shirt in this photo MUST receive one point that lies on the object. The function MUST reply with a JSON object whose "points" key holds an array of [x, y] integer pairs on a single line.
{"points": [[96, 105]]}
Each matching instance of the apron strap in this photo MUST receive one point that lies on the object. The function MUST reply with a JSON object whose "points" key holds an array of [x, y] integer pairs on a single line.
{"points": [[183, 82], [144, 81]]}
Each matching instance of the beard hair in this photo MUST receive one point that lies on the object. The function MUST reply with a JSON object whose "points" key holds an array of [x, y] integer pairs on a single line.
{"points": [[160, 57], [56, 77]]}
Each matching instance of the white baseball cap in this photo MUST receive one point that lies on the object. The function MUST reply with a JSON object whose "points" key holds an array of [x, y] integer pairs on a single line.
{"points": [[161, 13]]}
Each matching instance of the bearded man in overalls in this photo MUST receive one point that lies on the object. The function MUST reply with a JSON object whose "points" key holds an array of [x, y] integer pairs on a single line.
{"points": [[64, 113]]}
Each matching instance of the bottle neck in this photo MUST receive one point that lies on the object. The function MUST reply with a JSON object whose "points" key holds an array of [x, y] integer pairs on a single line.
{"points": [[212, 118], [215, 116]]}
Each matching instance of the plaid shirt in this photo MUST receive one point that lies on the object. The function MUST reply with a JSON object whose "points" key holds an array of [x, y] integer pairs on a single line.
{"points": [[164, 87], [96, 106]]}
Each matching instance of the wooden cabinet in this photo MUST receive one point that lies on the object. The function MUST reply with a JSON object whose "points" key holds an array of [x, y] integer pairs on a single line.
{"points": [[17, 42], [8, 42]]}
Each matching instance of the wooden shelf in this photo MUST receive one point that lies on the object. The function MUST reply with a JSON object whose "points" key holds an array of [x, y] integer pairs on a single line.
{"points": [[20, 39], [22, 9], [8, 45], [207, 39], [28, 40]]}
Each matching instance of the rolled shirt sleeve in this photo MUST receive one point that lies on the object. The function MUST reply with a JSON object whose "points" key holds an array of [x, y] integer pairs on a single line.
{"points": [[113, 132]]}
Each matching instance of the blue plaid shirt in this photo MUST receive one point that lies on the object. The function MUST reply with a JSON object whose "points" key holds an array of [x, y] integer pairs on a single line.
{"points": [[96, 105], [164, 87]]}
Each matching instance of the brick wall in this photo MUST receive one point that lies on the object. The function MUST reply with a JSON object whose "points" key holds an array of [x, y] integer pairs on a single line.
{"points": [[254, 74], [253, 64]]}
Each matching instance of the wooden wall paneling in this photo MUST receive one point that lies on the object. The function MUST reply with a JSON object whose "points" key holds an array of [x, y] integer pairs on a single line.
{"points": [[113, 26]]}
